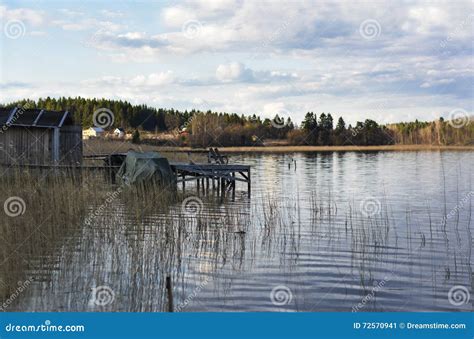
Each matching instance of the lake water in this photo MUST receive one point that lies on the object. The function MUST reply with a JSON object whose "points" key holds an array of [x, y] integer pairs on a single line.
{"points": [[380, 231]]}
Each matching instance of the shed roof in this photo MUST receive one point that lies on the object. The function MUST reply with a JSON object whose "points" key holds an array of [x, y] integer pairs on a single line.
{"points": [[34, 117]]}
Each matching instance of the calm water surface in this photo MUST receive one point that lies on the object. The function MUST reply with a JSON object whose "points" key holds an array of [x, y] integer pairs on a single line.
{"points": [[382, 231]]}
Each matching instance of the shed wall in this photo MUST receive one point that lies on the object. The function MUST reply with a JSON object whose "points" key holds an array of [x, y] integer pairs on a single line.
{"points": [[25, 145], [30, 145]]}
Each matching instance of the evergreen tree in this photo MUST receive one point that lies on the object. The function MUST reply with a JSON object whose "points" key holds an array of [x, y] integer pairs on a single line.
{"points": [[136, 137]]}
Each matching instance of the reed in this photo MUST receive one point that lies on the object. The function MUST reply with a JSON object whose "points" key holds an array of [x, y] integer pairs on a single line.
{"points": [[40, 208]]}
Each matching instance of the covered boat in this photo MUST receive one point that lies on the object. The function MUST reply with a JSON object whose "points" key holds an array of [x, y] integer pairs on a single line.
{"points": [[143, 168]]}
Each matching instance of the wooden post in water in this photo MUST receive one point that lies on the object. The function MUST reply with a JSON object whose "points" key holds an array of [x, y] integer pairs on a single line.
{"points": [[233, 186], [223, 186], [248, 183], [169, 289]]}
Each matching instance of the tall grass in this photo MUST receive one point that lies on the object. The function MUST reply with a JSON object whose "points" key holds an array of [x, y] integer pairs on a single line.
{"points": [[51, 207]]}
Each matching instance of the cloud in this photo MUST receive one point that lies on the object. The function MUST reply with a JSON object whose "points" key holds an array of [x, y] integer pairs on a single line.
{"points": [[154, 79], [250, 57], [233, 72], [26, 15], [137, 82], [238, 72], [111, 14], [84, 24]]}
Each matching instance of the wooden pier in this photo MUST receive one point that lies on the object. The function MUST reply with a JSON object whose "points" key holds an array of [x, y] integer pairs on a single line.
{"points": [[222, 177]]}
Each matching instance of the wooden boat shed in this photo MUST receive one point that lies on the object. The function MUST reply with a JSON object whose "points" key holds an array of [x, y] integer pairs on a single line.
{"points": [[39, 137]]}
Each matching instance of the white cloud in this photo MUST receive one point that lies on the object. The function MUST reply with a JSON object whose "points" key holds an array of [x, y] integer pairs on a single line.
{"points": [[28, 16], [250, 57], [111, 14], [233, 72], [175, 17], [138, 81], [238, 72]]}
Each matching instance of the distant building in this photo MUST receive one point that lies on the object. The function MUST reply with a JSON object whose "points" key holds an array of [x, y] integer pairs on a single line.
{"points": [[93, 132], [184, 131], [119, 132], [39, 137]]}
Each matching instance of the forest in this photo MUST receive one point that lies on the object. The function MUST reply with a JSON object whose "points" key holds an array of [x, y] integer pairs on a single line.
{"points": [[209, 128]]}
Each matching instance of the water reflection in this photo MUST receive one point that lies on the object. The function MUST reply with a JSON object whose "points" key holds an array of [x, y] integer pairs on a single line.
{"points": [[379, 231]]}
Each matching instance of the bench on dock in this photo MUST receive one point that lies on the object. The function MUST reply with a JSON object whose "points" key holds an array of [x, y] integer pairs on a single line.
{"points": [[214, 155]]}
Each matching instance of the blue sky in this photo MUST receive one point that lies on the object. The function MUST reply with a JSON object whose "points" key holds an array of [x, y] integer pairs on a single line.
{"points": [[389, 61]]}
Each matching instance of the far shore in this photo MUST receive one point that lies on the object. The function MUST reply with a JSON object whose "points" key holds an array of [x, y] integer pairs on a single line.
{"points": [[286, 149], [101, 146]]}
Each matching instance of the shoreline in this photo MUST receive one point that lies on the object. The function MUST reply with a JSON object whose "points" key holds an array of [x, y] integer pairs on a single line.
{"points": [[296, 149]]}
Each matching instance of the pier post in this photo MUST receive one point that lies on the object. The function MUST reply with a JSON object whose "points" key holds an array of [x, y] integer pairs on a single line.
{"points": [[169, 289], [248, 183], [233, 186]]}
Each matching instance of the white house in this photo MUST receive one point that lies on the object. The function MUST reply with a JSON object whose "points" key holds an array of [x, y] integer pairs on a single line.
{"points": [[93, 132], [119, 132]]}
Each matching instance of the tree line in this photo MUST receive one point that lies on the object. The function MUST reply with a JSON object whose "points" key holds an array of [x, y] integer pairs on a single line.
{"points": [[230, 129]]}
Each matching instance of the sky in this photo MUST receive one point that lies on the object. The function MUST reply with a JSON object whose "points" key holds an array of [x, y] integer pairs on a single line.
{"points": [[388, 61]]}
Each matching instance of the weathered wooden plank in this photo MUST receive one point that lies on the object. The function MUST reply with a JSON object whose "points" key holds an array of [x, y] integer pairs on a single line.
{"points": [[193, 167]]}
